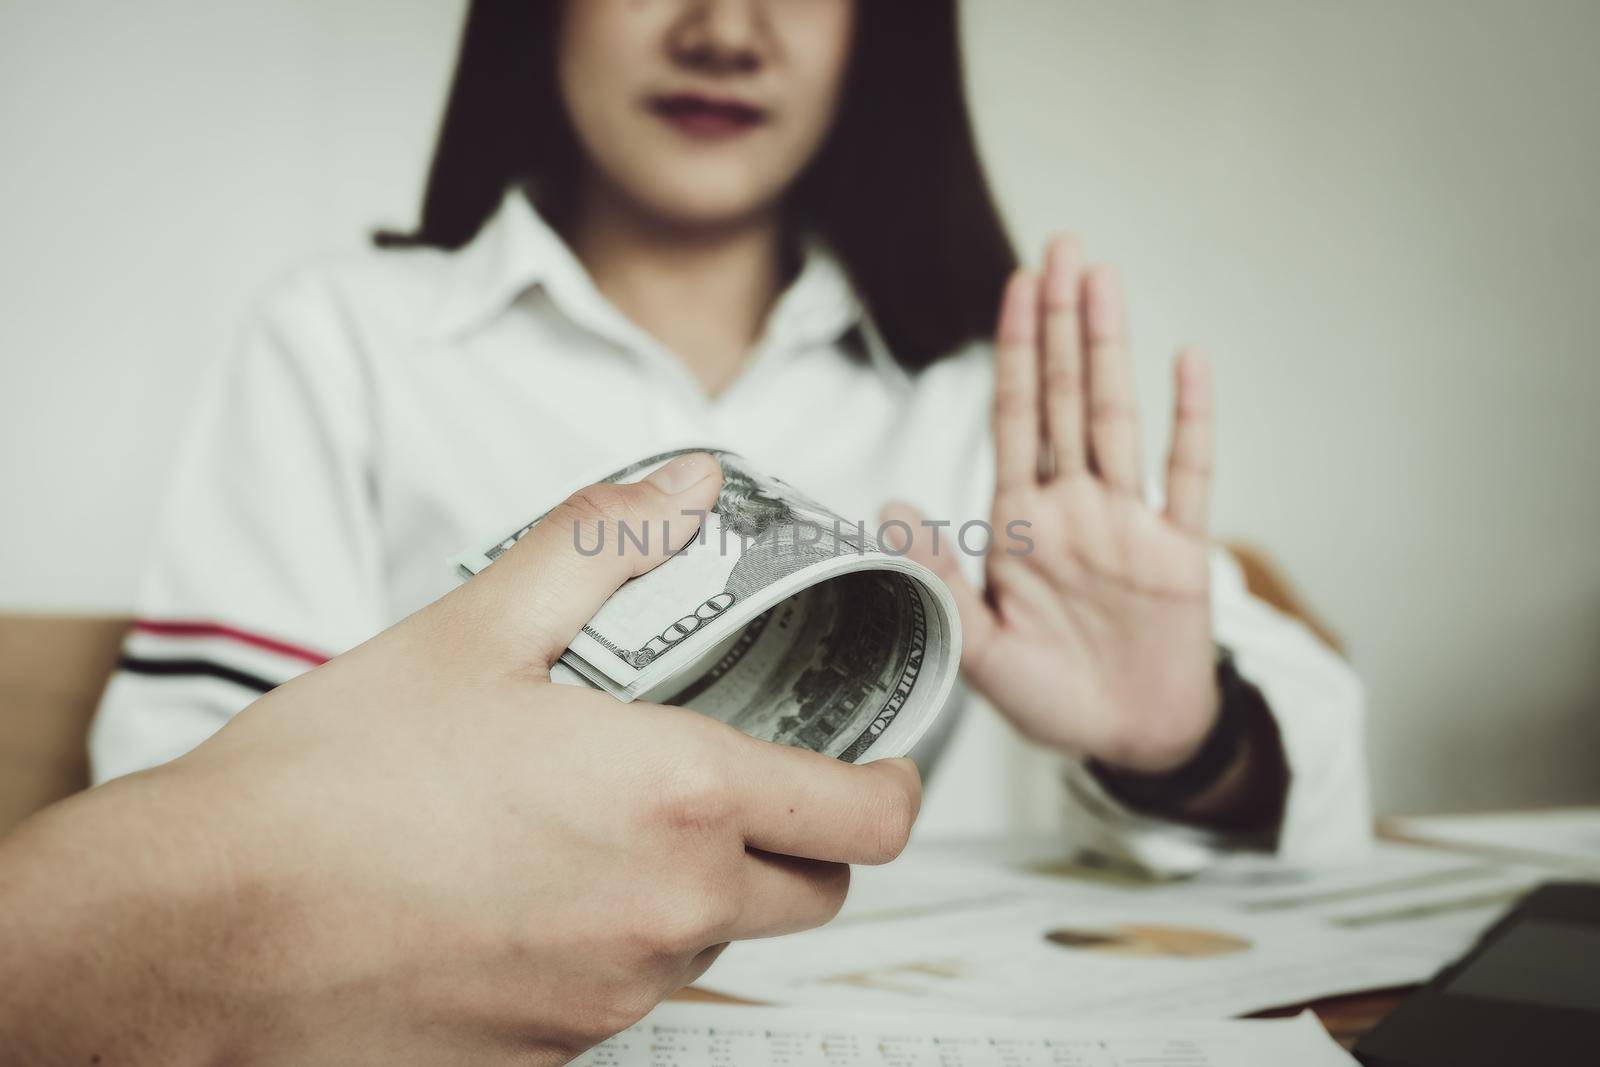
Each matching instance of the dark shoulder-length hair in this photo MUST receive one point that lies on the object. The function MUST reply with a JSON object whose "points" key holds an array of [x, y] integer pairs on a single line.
{"points": [[896, 190]]}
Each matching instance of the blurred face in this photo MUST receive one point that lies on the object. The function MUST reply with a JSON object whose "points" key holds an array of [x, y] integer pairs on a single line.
{"points": [[702, 111]]}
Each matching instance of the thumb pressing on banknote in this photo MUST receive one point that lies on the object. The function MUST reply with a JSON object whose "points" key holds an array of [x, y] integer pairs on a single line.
{"points": [[539, 594]]}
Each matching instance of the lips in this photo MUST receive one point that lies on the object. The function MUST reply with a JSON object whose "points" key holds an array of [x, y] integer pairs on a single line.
{"points": [[707, 117]]}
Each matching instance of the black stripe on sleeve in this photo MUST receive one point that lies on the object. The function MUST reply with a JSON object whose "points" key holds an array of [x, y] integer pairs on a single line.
{"points": [[195, 668]]}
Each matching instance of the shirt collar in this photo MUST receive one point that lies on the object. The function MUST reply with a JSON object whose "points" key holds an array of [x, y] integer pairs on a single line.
{"points": [[517, 250], [513, 252]]}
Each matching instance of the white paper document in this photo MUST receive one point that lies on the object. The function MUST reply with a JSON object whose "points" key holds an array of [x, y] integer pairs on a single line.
{"points": [[718, 1035], [1563, 837], [958, 931]]}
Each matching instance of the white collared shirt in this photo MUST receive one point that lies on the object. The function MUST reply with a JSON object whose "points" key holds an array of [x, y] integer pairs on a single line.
{"points": [[384, 412]]}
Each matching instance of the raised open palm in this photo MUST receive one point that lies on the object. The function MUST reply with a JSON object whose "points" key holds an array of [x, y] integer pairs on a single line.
{"points": [[1097, 640]]}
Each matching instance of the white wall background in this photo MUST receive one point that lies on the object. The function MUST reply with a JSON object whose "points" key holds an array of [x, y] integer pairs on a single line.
{"points": [[1382, 218]]}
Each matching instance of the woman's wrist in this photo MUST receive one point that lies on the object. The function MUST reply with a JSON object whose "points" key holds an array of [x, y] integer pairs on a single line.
{"points": [[1235, 779]]}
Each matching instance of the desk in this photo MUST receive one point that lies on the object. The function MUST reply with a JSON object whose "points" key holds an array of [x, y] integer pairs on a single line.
{"points": [[1347, 1018]]}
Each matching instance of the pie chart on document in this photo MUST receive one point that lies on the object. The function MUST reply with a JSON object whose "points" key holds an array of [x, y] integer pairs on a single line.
{"points": [[1168, 942]]}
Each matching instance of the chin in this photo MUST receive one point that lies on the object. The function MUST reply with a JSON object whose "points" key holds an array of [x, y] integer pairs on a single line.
{"points": [[707, 200]]}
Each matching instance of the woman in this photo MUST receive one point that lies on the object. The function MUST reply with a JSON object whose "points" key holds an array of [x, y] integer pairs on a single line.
{"points": [[759, 224]]}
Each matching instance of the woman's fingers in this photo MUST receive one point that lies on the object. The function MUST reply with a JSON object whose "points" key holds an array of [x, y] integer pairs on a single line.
{"points": [[1189, 466], [1016, 385], [784, 895], [1063, 356], [1113, 406]]}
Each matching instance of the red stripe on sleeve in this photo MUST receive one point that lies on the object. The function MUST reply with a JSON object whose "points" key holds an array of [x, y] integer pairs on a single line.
{"points": [[190, 628]]}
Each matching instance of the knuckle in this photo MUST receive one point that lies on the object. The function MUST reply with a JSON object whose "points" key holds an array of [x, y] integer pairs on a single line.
{"points": [[1113, 411], [1062, 304], [1062, 375], [1012, 400], [619, 518], [696, 799], [587, 512], [596, 501], [691, 920]]}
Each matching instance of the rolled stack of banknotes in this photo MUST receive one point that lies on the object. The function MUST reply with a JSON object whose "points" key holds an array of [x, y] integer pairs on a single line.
{"points": [[779, 617]]}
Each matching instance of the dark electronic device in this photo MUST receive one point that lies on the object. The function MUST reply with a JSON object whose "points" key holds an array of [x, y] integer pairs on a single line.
{"points": [[1528, 993]]}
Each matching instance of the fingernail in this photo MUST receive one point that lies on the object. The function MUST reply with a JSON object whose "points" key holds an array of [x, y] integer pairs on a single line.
{"points": [[684, 473]]}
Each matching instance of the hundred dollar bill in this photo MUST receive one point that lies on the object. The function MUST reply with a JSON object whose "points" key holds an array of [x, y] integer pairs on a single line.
{"points": [[779, 617]]}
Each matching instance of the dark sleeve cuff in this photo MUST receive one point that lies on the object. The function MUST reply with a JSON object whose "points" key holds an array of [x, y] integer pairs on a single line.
{"points": [[1244, 723]]}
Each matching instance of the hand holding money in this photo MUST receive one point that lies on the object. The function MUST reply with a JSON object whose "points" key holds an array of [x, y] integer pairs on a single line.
{"points": [[425, 852], [777, 616]]}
